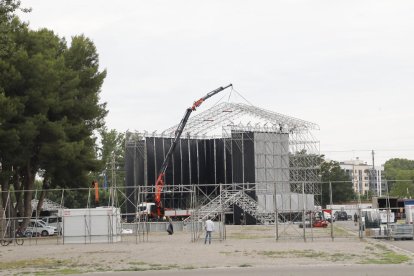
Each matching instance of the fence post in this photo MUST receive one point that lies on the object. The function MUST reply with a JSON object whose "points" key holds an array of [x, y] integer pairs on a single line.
{"points": [[332, 215], [275, 211], [412, 222], [303, 212]]}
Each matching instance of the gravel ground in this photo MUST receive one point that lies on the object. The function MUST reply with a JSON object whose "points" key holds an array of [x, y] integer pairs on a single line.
{"points": [[245, 246]]}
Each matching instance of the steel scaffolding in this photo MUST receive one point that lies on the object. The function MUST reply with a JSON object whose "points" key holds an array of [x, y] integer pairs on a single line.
{"points": [[227, 144]]}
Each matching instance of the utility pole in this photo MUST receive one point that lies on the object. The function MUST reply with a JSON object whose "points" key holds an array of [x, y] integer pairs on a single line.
{"points": [[373, 159], [374, 182], [113, 188]]}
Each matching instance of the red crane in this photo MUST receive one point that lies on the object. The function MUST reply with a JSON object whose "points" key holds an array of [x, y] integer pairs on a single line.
{"points": [[160, 180]]}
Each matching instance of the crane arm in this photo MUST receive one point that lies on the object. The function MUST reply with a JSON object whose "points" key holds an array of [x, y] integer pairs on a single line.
{"points": [[212, 93], [160, 180]]}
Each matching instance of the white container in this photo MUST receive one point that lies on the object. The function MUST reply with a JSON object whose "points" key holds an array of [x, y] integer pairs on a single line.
{"points": [[385, 218], [409, 211], [98, 225]]}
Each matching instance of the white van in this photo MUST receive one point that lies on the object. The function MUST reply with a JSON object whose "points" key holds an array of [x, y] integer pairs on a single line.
{"points": [[39, 228], [56, 222]]}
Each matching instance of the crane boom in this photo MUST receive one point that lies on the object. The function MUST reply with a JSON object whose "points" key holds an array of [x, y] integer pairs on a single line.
{"points": [[160, 180]]}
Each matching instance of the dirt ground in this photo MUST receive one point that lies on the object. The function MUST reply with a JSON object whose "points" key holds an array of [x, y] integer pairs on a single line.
{"points": [[245, 246]]}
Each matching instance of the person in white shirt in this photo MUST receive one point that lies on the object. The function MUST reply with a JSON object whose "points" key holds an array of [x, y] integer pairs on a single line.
{"points": [[209, 227]]}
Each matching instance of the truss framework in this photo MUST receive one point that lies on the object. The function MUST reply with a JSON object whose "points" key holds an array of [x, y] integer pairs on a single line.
{"points": [[289, 208], [286, 150], [247, 117]]}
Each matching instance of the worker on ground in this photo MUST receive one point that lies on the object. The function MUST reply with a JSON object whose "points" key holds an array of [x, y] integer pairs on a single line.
{"points": [[355, 218], [209, 227], [170, 228]]}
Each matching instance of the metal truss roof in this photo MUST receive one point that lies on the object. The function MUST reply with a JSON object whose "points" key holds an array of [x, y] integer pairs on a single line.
{"points": [[243, 117]]}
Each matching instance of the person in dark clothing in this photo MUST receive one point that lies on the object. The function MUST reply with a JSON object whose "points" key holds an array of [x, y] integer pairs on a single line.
{"points": [[170, 228]]}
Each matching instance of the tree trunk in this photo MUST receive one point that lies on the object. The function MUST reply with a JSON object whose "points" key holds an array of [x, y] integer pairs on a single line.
{"points": [[18, 187], [28, 193], [45, 187], [5, 196], [9, 212]]}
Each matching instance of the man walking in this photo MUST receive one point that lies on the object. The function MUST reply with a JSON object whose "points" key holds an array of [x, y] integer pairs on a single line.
{"points": [[209, 227]]}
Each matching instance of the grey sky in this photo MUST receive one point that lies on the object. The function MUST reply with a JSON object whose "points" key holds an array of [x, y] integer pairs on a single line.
{"points": [[345, 65]]}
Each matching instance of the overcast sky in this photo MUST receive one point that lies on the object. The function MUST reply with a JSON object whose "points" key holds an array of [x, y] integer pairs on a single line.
{"points": [[347, 66]]}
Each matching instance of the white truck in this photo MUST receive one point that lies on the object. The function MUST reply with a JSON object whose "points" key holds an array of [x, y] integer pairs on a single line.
{"points": [[148, 209]]}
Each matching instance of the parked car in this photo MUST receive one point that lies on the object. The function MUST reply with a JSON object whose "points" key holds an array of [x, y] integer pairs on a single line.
{"points": [[54, 221], [38, 227], [316, 223], [320, 223], [342, 215]]}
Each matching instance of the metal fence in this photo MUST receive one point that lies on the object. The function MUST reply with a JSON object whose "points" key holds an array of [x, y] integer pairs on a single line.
{"points": [[87, 215]]}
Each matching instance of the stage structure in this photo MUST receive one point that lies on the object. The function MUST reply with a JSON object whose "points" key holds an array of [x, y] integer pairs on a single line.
{"points": [[259, 161]]}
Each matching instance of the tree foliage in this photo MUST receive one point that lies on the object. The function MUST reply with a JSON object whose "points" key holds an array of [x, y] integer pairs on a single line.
{"points": [[110, 172], [342, 190], [112, 154], [330, 172], [49, 107], [113, 146], [400, 177]]}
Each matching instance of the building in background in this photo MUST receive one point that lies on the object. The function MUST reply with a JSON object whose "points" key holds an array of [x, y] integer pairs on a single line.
{"points": [[366, 179]]}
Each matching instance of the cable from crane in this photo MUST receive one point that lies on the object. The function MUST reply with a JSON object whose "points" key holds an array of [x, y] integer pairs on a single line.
{"points": [[242, 97], [228, 100], [219, 101]]}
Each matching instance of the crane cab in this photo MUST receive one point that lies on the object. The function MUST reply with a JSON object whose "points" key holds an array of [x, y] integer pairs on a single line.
{"points": [[146, 210]]}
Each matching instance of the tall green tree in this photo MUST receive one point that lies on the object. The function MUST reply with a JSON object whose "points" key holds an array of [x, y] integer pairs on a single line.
{"points": [[110, 171], [111, 153], [400, 177], [9, 107], [52, 94], [342, 190], [330, 172]]}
